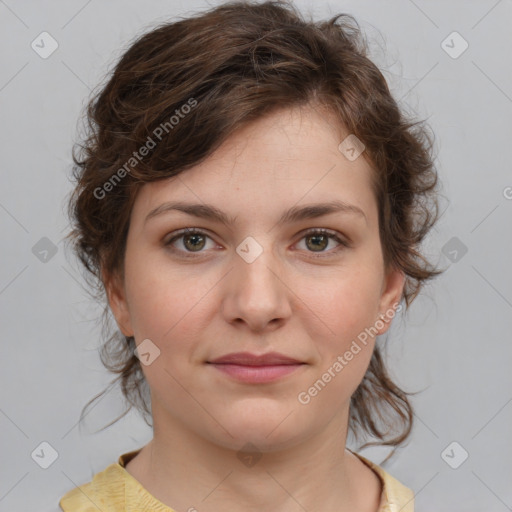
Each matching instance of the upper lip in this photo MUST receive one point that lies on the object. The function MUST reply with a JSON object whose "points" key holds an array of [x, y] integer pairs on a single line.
{"points": [[248, 359]]}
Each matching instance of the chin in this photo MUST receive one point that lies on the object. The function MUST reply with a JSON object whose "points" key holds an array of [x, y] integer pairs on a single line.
{"points": [[266, 433]]}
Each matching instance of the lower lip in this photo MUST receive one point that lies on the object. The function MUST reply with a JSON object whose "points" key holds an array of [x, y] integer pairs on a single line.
{"points": [[257, 374]]}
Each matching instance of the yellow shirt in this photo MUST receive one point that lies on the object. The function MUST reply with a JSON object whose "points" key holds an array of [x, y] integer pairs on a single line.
{"points": [[116, 490]]}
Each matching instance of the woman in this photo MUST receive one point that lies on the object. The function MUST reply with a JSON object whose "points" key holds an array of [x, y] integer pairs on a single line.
{"points": [[251, 201]]}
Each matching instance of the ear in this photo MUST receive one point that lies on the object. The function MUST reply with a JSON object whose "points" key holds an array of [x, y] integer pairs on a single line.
{"points": [[116, 296], [391, 295]]}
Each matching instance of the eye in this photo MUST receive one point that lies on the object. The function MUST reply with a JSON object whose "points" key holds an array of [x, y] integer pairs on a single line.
{"points": [[318, 239], [194, 240]]}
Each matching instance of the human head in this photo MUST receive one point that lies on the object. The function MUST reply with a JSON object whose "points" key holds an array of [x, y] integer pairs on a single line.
{"points": [[189, 87]]}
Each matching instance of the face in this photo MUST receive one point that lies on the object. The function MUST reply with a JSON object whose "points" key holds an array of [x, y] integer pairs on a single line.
{"points": [[197, 287]]}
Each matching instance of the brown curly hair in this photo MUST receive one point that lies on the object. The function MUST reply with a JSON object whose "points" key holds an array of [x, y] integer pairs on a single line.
{"points": [[192, 83]]}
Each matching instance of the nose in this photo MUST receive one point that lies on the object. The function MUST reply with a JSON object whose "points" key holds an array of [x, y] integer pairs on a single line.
{"points": [[256, 294]]}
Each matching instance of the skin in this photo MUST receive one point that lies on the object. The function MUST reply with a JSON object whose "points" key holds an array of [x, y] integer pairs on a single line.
{"points": [[288, 301]]}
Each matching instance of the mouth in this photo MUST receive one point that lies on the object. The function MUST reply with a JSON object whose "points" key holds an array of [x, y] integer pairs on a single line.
{"points": [[250, 368]]}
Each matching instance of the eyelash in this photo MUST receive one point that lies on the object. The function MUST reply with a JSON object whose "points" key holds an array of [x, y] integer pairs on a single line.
{"points": [[315, 231]]}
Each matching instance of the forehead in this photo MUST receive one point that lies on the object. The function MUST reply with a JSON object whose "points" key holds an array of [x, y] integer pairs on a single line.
{"points": [[290, 156]]}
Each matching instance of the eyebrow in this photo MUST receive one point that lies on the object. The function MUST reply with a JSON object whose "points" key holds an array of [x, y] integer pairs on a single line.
{"points": [[294, 214]]}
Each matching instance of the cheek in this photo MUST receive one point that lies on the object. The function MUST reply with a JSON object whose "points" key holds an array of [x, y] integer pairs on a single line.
{"points": [[164, 303], [164, 307], [346, 304], [343, 346]]}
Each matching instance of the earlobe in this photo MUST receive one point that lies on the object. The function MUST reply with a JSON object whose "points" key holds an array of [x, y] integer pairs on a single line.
{"points": [[116, 297]]}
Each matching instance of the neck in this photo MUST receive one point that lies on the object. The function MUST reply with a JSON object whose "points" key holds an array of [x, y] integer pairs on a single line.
{"points": [[310, 474]]}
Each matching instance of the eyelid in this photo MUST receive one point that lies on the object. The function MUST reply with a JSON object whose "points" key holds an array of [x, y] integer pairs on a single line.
{"points": [[342, 238]]}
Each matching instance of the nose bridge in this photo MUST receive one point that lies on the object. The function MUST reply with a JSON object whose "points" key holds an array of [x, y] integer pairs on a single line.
{"points": [[257, 266], [257, 292]]}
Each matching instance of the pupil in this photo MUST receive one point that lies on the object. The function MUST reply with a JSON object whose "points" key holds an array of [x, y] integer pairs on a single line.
{"points": [[195, 237], [316, 237]]}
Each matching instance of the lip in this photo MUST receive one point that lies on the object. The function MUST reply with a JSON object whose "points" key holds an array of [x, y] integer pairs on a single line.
{"points": [[256, 369], [248, 359]]}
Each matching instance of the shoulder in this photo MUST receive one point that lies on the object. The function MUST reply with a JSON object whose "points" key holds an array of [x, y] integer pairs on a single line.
{"points": [[113, 489], [395, 495], [106, 491]]}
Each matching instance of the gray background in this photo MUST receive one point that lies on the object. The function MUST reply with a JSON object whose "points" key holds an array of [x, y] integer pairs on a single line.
{"points": [[454, 344]]}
